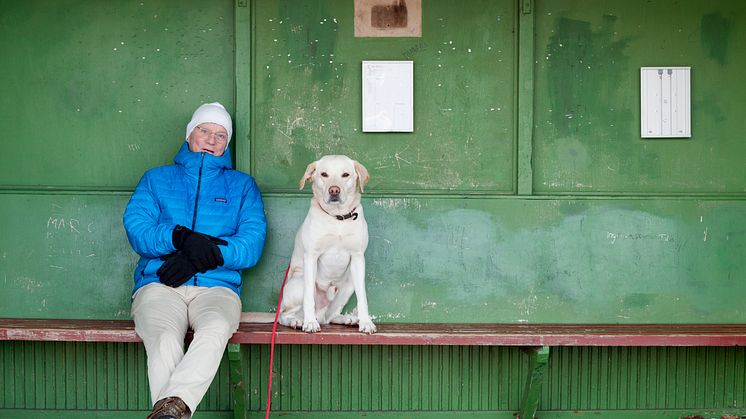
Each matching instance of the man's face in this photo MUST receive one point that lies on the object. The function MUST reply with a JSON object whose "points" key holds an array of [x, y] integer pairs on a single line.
{"points": [[209, 138]]}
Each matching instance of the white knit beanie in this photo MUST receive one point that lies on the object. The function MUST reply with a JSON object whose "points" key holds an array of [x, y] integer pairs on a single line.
{"points": [[211, 112]]}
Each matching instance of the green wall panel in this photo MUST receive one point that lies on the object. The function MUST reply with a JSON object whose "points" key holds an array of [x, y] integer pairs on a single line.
{"points": [[360, 378], [587, 109], [644, 378], [85, 376], [307, 78], [65, 256], [96, 92], [342, 378], [535, 260], [429, 259], [388, 378]]}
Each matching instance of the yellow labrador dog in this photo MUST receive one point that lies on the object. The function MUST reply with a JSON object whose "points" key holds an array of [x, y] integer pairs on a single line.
{"points": [[328, 262]]}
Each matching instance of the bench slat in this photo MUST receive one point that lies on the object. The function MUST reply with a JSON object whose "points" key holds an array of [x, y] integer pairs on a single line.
{"points": [[506, 335], [68, 330], [408, 334]]}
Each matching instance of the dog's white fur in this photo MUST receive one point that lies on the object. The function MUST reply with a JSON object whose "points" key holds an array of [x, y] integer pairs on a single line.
{"points": [[328, 262]]}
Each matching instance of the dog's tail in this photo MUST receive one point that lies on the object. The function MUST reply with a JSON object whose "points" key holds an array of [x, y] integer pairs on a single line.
{"points": [[257, 317]]}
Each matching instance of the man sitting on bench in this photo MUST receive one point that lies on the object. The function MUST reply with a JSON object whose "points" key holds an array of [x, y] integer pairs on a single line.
{"points": [[190, 277]]}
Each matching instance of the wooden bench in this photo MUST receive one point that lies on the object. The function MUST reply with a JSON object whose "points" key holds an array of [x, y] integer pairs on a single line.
{"points": [[535, 339]]}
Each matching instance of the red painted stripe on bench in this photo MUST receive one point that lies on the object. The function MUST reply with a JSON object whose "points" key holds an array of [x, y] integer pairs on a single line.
{"points": [[68, 330], [408, 334], [507, 335]]}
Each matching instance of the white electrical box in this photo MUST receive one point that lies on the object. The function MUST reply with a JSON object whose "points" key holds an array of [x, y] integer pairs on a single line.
{"points": [[388, 93], [665, 102]]}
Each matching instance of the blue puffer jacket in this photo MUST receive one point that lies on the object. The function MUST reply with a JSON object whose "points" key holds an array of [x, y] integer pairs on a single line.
{"points": [[201, 192]]}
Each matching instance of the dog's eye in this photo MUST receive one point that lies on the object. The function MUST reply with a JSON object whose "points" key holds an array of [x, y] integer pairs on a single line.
{"points": [[345, 174], [324, 174]]}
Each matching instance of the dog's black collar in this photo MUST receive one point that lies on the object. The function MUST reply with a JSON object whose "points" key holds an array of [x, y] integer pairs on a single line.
{"points": [[352, 214]]}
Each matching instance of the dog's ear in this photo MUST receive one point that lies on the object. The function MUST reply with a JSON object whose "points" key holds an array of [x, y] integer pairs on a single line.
{"points": [[308, 176], [362, 174]]}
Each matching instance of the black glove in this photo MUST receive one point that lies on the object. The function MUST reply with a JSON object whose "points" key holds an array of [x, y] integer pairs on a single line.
{"points": [[201, 249], [176, 270]]}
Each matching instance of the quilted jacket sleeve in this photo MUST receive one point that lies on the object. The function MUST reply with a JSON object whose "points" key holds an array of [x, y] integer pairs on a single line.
{"points": [[148, 238], [245, 247]]}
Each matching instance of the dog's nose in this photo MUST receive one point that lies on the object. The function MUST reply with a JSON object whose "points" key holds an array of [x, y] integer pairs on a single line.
{"points": [[334, 190]]}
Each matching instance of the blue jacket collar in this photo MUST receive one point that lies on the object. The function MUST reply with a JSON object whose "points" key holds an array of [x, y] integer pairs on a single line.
{"points": [[211, 165]]}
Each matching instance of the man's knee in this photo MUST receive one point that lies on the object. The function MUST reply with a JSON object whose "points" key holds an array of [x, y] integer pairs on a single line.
{"points": [[155, 327], [217, 326], [169, 343]]}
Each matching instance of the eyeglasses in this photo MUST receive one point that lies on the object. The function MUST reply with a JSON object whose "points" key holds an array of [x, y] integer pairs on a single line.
{"points": [[220, 136]]}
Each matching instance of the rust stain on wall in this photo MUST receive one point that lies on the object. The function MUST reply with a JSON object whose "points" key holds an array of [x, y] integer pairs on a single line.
{"points": [[391, 16], [388, 18]]}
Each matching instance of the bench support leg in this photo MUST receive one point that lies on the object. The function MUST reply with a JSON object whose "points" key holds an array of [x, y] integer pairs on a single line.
{"points": [[537, 366], [238, 386]]}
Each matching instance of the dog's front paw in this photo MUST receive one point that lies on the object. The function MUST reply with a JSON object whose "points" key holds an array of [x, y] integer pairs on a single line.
{"points": [[349, 319], [367, 326], [291, 321], [311, 326]]}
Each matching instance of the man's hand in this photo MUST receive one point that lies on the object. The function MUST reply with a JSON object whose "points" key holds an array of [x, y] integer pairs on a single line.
{"points": [[176, 270], [200, 249]]}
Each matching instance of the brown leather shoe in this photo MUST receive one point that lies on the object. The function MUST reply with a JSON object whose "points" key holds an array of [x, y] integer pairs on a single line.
{"points": [[169, 408]]}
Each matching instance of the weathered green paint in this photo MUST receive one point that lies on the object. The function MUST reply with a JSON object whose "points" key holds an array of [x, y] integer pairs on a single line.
{"points": [[525, 98], [518, 260], [587, 106], [243, 72], [107, 377], [308, 86], [583, 259], [98, 92], [65, 256], [532, 260], [537, 366], [388, 378], [238, 383], [474, 252], [716, 36]]}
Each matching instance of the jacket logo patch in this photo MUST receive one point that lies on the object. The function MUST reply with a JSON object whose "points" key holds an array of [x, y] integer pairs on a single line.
{"points": [[223, 200]]}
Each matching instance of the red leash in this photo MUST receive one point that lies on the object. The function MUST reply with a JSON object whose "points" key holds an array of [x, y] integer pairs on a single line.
{"points": [[272, 345]]}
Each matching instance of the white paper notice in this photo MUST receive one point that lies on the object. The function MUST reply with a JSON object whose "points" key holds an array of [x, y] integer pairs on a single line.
{"points": [[388, 93]]}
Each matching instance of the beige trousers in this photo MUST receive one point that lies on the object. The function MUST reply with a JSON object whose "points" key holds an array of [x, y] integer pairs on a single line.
{"points": [[162, 315]]}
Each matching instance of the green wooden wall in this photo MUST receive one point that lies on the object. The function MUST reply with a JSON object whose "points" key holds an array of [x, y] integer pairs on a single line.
{"points": [[94, 93], [307, 97], [405, 380], [435, 259], [525, 193], [587, 132]]}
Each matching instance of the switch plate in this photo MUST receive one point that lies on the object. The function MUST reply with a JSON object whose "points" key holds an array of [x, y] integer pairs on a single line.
{"points": [[665, 102]]}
